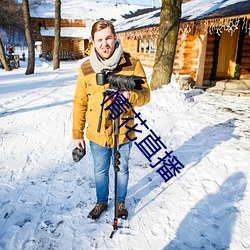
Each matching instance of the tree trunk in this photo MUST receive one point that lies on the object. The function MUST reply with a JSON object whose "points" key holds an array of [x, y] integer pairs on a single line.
{"points": [[3, 57], [56, 59], [168, 34], [28, 33]]}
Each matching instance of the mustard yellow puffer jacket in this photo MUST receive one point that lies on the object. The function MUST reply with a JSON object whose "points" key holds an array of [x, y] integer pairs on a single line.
{"points": [[89, 97]]}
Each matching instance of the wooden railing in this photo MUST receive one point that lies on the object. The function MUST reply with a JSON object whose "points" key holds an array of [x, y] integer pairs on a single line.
{"points": [[64, 55]]}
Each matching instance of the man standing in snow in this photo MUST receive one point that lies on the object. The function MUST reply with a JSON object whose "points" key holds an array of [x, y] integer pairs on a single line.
{"points": [[107, 54]]}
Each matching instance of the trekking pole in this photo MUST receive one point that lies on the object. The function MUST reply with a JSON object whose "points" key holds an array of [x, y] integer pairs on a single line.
{"points": [[104, 94], [117, 156]]}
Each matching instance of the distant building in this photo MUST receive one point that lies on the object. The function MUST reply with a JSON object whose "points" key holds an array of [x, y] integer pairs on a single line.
{"points": [[77, 19], [74, 36]]}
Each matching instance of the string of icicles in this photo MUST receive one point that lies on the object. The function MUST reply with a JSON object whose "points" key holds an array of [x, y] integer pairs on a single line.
{"points": [[217, 25]]}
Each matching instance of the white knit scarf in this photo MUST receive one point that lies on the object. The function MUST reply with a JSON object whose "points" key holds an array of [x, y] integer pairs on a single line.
{"points": [[98, 64]]}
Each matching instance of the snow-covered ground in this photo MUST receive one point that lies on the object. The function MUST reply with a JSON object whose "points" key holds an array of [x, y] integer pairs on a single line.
{"points": [[45, 197]]}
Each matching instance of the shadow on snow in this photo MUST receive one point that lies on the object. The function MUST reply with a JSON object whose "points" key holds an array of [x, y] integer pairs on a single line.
{"points": [[209, 225], [23, 110], [190, 153]]}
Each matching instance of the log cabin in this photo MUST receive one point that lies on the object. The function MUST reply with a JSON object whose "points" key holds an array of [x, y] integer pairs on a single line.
{"points": [[77, 19], [74, 37], [213, 41]]}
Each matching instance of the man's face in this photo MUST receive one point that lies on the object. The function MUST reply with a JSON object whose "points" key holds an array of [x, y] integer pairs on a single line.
{"points": [[104, 42]]}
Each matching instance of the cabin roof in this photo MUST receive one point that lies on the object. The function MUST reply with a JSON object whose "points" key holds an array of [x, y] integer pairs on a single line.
{"points": [[140, 21], [84, 10], [77, 32], [193, 10], [208, 9]]}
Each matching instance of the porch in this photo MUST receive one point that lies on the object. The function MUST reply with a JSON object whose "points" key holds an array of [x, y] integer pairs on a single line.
{"points": [[231, 87]]}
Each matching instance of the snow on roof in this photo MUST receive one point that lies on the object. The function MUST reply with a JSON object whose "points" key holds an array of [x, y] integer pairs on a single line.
{"points": [[85, 10], [198, 9], [145, 20], [192, 10], [79, 32]]}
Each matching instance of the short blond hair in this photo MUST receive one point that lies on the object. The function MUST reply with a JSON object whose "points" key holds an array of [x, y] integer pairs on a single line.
{"points": [[100, 25]]}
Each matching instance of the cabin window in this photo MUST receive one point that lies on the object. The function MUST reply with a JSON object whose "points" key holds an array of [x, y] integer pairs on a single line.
{"points": [[146, 45], [152, 45]]}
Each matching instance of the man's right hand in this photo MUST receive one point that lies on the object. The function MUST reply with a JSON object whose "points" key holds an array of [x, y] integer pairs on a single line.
{"points": [[79, 143], [78, 152]]}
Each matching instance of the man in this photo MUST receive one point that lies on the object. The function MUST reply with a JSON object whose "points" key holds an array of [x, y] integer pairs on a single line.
{"points": [[107, 54]]}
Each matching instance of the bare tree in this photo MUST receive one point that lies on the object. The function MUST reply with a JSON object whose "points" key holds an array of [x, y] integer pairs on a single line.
{"points": [[28, 33], [36, 3], [3, 57], [11, 24], [168, 34], [11, 16], [56, 59]]}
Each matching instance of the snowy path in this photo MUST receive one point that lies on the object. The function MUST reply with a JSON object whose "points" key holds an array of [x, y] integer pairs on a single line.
{"points": [[45, 197]]}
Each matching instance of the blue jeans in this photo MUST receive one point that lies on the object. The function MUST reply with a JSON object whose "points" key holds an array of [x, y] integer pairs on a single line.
{"points": [[102, 157]]}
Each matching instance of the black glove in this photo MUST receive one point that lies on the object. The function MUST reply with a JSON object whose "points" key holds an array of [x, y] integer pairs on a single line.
{"points": [[78, 153]]}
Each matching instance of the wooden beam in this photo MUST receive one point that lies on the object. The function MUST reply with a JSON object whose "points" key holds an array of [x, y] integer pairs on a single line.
{"points": [[201, 60]]}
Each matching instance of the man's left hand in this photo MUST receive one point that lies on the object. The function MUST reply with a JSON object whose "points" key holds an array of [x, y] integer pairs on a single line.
{"points": [[126, 94]]}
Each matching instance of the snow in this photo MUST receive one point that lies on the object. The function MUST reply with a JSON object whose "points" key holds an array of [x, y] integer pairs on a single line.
{"points": [[155, 3], [84, 33], [45, 196], [197, 9], [145, 20], [86, 10], [192, 10]]}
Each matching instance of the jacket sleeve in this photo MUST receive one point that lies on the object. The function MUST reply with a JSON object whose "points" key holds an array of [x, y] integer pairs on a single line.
{"points": [[141, 97], [80, 106]]}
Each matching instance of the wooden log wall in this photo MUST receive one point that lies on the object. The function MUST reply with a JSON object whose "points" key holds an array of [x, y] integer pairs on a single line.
{"points": [[190, 56], [131, 46], [47, 45], [79, 46], [186, 55], [50, 22], [73, 45], [66, 44], [178, 61], [245, 60], [146, 59], [209, 57], [185, 59]]}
